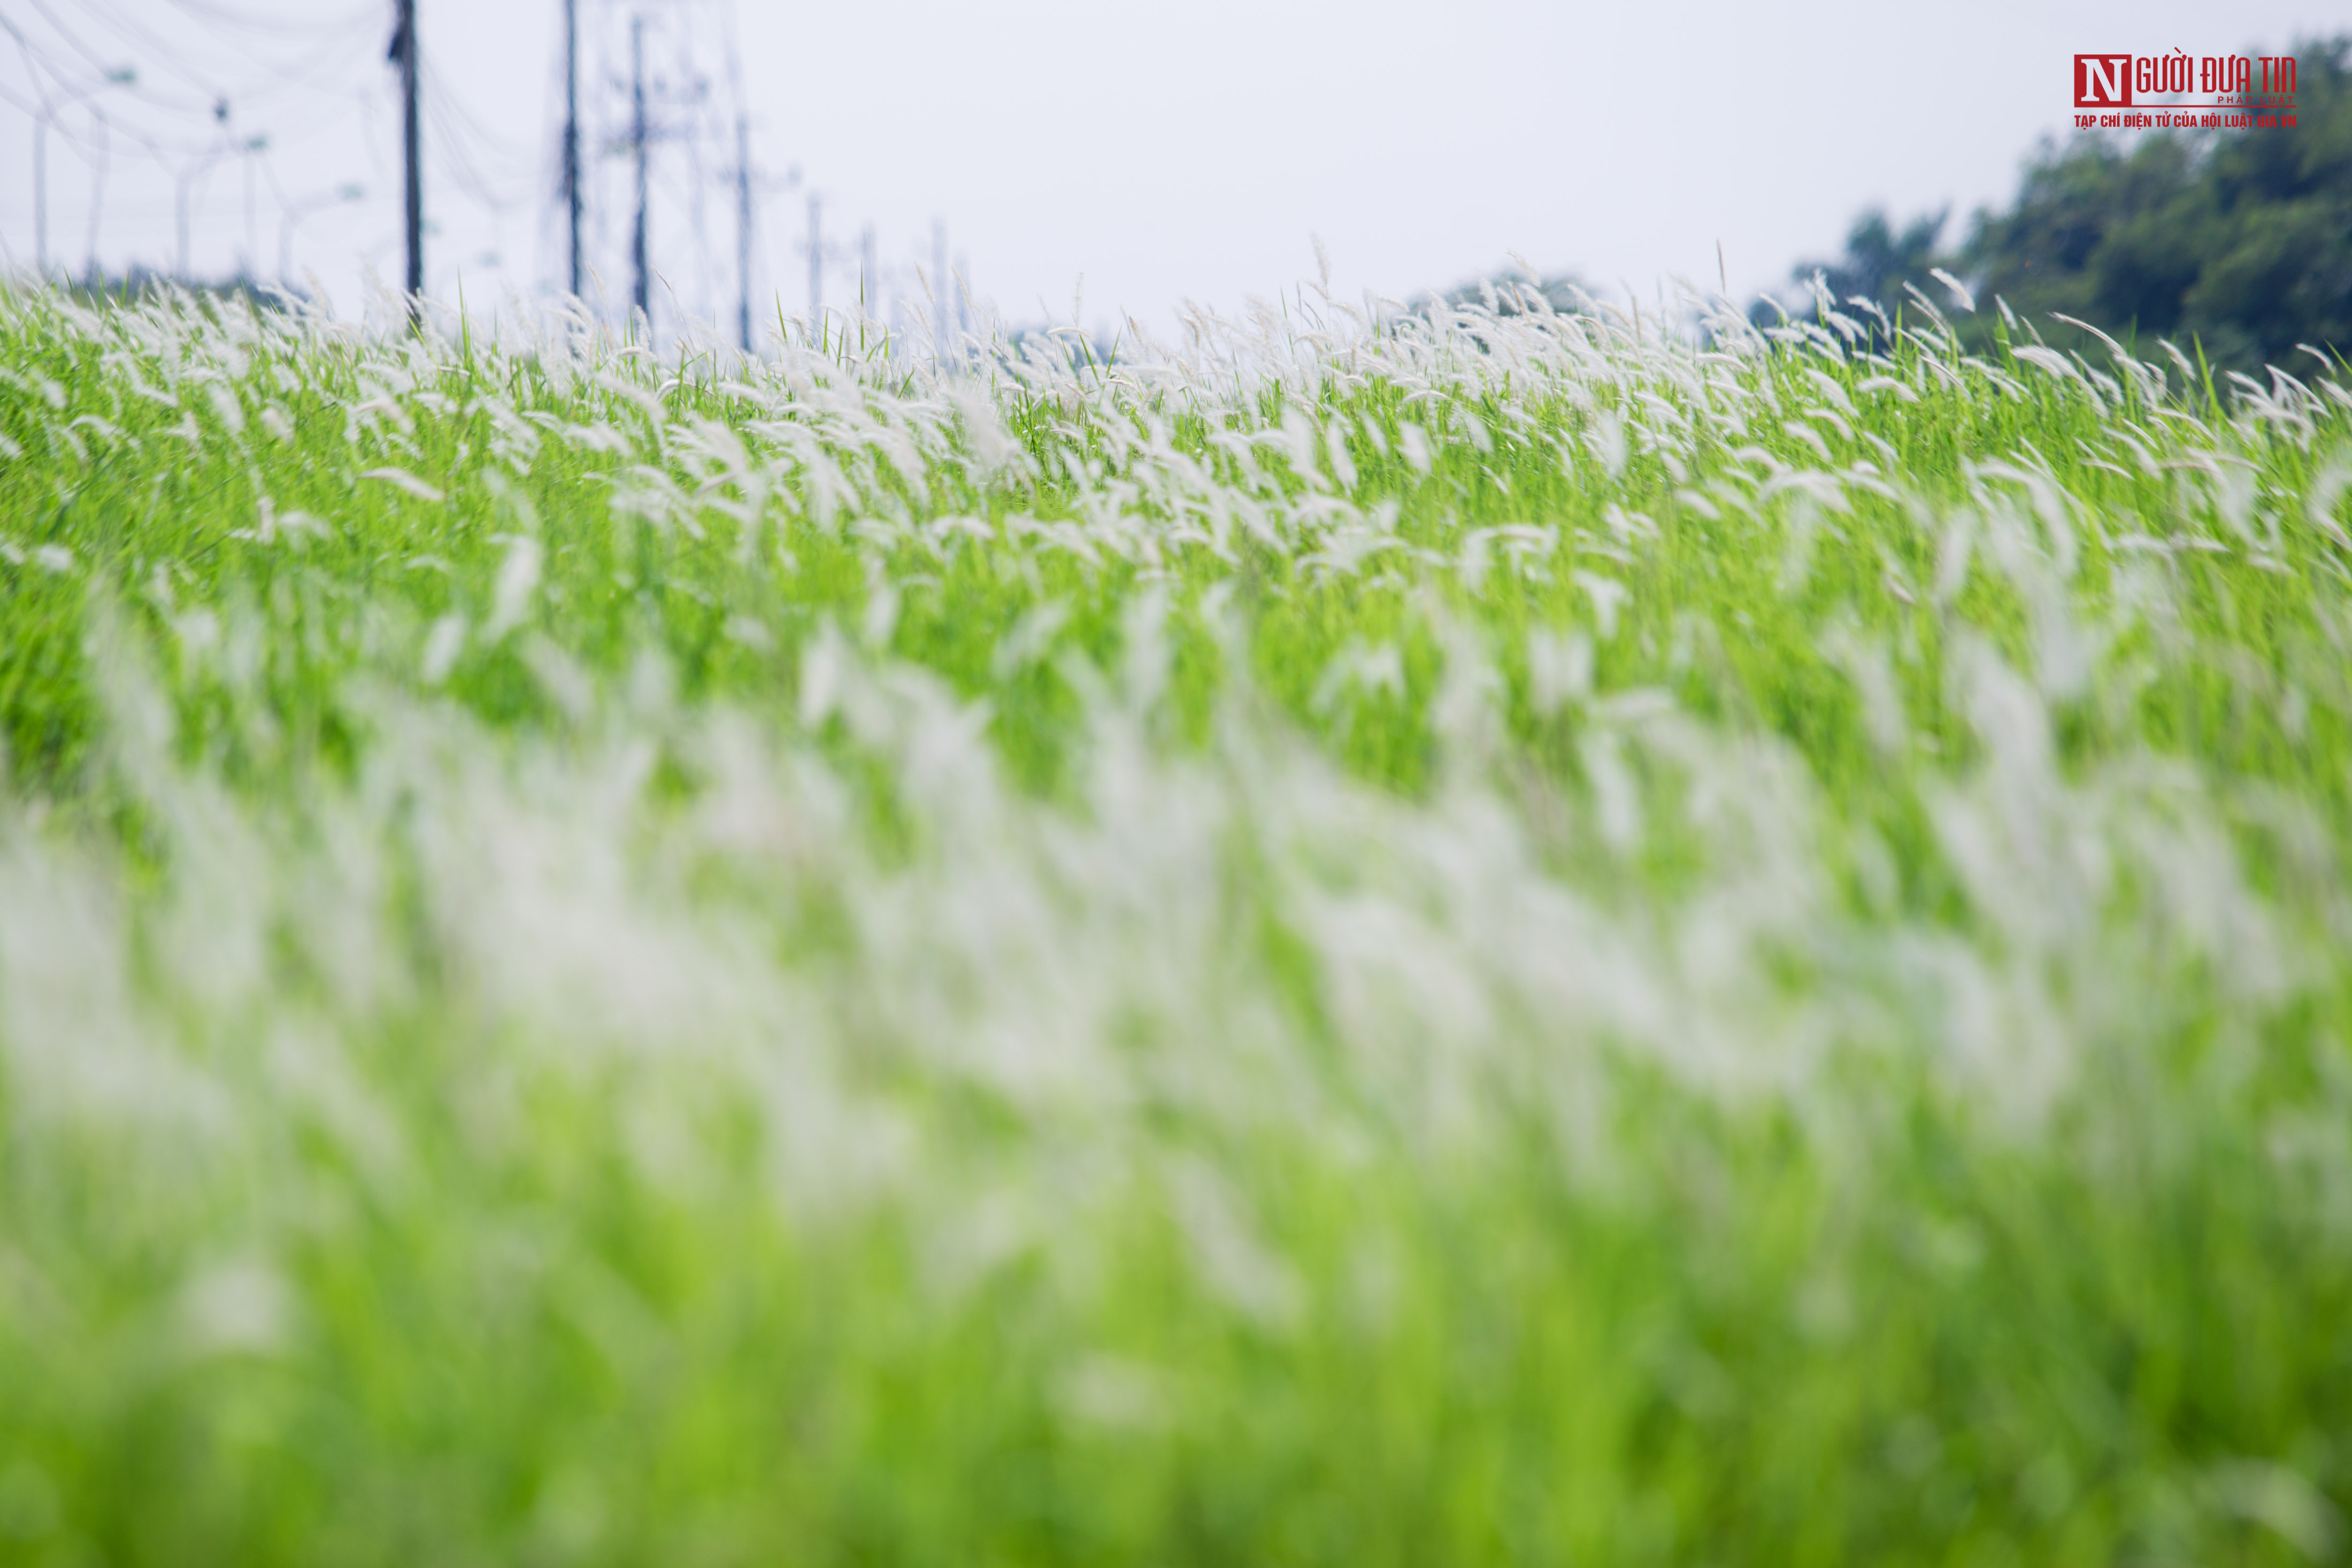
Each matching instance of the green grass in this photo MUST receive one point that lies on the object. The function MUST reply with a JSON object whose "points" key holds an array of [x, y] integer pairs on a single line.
{"points": [[1487, 939]]}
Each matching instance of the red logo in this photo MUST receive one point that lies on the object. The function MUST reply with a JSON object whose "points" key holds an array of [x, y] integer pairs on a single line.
{"points": [[2153, 92], [2103, 81]]}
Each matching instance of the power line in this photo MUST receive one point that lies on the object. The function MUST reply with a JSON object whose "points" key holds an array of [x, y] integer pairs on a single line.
{"points": [[155, 51], [112, 77], [277, 76], [356, 17], [159, 121], [454, 134], [64, 84]]}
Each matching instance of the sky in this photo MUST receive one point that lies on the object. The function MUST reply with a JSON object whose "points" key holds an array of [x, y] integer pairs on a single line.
{"points": [[1092, 159]]}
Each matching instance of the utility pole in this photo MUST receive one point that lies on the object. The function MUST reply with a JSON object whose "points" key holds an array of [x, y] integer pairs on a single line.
{"points": [[572, 129], [939, 303], [404, 55], [743, 231], [248, 266], [817, 258], [869, 281], [119, 76], [643, 142], [290, 218], [180, 216], [41, 195], [190, 171]]}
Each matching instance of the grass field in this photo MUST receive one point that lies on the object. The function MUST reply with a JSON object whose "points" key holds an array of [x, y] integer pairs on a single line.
{"points": [[1480, 937]]}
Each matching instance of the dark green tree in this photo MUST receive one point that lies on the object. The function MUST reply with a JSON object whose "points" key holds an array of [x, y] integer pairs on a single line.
{"points": [[1879, 259], [2238, 241]]}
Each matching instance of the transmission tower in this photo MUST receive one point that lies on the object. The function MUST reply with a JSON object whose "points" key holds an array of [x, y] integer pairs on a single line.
{"points": [[816, 258]]}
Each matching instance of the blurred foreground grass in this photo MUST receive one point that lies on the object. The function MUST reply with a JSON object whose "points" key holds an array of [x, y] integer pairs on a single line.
{"points": [[1471, 938]]}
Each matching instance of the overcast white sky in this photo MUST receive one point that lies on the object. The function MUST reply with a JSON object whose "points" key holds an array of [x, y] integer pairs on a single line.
{"points": [[1162, 151]]}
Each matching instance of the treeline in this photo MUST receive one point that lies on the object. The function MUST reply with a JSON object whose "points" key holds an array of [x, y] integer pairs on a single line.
{"points": [[2238, 241]]}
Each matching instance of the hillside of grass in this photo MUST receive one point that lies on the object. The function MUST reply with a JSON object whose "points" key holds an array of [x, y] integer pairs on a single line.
{"points": [[1463, 937]]}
